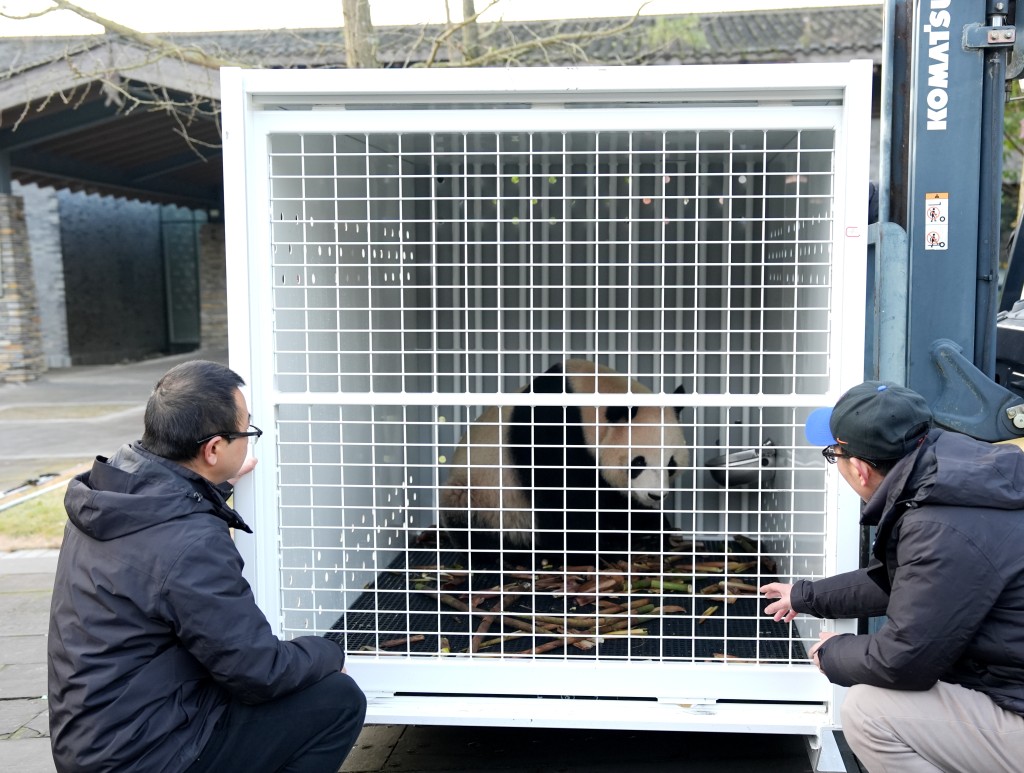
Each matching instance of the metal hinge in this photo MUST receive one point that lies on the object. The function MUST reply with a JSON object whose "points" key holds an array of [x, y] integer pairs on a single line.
{"points": [[1015, 414], [980, 36]]}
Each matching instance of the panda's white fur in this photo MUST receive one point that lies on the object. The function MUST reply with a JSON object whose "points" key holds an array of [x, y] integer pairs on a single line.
{"points": [[567, 477]]}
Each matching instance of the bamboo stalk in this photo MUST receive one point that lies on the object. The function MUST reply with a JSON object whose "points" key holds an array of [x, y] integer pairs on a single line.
{"points": [[652, 583], [630, 632], [616, 608], [476, 599], [707, 613], [485, 624], [741, 586], [402, 640], [517, 621], [731, 658], [560, 643], [498, 640], [621, 624]]}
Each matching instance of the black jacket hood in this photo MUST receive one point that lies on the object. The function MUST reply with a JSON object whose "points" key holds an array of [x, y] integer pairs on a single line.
{"points": [[105, 501], [950, 469]]}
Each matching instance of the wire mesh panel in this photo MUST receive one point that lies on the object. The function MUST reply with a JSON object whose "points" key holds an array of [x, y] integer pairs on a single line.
{"points": [[540, 375]]}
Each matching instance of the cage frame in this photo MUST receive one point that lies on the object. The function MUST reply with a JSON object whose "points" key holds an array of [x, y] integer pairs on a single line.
{"points": [[407, 690]]}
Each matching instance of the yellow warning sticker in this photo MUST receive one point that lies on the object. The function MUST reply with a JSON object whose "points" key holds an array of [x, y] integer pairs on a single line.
{"points": [[936, 221]]}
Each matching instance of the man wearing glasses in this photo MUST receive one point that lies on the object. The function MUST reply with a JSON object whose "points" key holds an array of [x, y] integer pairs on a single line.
{"points": [[940, 687], [159, 658]]}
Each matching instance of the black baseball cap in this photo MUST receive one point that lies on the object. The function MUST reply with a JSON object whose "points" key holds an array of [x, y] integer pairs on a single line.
{"points": [[876, 421]]}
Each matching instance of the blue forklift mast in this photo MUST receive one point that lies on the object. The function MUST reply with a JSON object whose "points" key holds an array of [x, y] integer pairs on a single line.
{"points": [[933, 269], [935, 262]]}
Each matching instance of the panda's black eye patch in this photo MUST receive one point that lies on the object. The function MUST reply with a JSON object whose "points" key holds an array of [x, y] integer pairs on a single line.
{"points": [[616, 413], [672, 464], [637, 466]]}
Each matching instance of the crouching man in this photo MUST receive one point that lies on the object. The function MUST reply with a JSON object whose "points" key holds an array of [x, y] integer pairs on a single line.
{"points": [[159, 658], [940, 687]]}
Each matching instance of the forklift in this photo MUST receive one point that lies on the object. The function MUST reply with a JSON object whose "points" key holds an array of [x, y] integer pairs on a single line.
{"points": [[936, 319]]}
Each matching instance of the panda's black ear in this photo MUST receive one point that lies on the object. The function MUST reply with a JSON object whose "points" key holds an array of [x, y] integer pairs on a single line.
{"points": [[619, 413], [679, 390]]}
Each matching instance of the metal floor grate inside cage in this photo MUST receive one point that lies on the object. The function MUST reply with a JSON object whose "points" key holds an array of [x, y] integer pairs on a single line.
{"points": [[426, 603]]}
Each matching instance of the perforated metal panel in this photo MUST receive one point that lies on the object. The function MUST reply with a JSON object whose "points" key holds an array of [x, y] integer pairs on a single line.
{"points": [[417, 248]]}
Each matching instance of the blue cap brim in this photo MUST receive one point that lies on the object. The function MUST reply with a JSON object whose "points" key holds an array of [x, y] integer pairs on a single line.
{"points": [[817, 430]]}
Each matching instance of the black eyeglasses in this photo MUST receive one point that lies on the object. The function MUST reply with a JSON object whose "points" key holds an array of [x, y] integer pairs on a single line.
{"points": [[831, 454], [256, 434]]}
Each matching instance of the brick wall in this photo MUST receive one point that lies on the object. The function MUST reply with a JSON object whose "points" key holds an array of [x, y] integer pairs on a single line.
{"points": [[21, 348], [43, 221], [213, 287]]}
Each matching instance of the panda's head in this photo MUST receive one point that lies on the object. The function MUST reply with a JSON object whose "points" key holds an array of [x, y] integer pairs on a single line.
{"points": [[640, 450]]}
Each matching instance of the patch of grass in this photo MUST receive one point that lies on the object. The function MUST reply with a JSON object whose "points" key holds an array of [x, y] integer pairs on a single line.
{"points": [[62, 412], [36, 523]]}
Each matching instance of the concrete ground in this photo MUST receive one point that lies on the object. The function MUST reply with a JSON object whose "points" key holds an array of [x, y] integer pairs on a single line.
{"points": [[26, 580], [58, 423], [55, 424]]}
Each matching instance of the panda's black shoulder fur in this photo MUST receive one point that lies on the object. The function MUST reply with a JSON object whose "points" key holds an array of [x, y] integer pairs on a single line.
{"points": [[547, 443], [549, 438], [551, 381], [557, 469]]}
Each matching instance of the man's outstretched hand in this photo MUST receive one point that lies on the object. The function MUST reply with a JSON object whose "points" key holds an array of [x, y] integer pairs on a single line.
{"points": [[780, 609]]}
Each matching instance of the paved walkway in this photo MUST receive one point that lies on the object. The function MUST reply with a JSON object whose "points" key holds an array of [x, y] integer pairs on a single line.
{"points": [[54, 424], [57, 424], [26, 580]]}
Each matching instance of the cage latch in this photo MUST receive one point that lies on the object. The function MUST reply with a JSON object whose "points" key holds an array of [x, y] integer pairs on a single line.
{"points": [[747, 467]]}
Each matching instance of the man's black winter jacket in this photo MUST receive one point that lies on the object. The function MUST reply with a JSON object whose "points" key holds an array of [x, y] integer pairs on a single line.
{"points": [[949, 576], [152, 627]]}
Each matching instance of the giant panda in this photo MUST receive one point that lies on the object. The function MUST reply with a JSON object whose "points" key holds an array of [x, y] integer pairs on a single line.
{"points": [[567, 481]]}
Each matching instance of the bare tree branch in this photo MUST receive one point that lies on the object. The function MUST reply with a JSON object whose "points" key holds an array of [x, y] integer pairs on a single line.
{"points": [[27, 16], [466, 41], [470, 16], [360, 38], [470, 33], [569, 40]]}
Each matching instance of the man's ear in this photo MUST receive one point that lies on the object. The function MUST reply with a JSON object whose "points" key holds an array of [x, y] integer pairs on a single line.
{"points": [[863, 469], [208, 451]]}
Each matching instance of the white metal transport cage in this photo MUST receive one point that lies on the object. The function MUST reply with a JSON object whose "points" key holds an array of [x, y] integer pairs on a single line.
{"points": [[412, 253]]}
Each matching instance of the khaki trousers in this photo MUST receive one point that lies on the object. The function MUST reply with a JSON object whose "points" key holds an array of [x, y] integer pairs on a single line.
{"points": [[947, 728]]}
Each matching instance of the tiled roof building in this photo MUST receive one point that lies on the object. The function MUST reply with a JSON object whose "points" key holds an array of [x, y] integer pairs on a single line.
{"points": [[794, 35]]}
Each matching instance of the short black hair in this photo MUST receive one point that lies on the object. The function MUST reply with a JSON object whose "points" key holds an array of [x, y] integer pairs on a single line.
{"points": [[191, 401], [884, 466]]}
